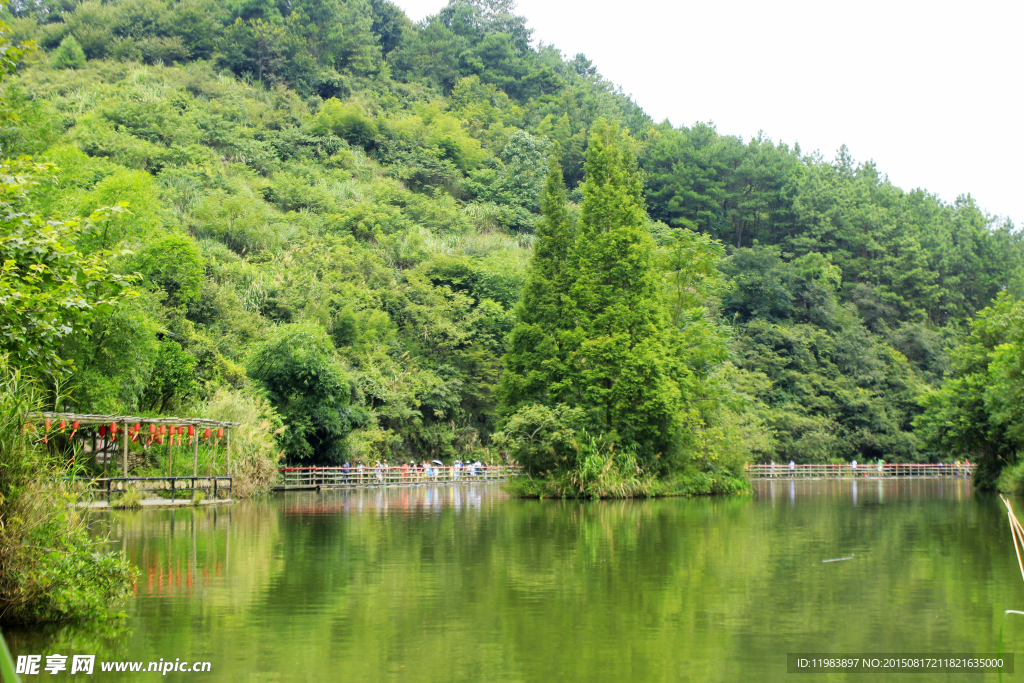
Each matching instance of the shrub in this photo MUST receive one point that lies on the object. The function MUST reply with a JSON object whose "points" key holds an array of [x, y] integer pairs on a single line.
{"points": [[129, 500], [255, 452], [306, 383], [51, 569], [69, 55]]}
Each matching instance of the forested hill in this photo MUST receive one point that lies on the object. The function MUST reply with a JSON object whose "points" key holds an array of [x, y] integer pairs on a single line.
{"points": [[335, 206]]}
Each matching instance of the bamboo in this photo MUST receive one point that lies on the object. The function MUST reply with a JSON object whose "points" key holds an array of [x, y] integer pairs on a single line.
{"points": [[195, 456], [228, 447]]}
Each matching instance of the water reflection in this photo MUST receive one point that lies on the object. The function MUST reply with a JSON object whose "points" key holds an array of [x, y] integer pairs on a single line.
{"points": [[446, 583]]}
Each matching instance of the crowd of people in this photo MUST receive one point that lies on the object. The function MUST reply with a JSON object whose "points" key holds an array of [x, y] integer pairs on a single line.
{"points": [[433, 470]]}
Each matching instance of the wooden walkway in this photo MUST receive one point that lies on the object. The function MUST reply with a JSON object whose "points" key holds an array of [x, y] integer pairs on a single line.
{"points": [[314, 478], [865, 470]]}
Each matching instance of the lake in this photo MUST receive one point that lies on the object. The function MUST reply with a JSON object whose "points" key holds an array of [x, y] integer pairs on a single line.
{"points": [[464, 584]]}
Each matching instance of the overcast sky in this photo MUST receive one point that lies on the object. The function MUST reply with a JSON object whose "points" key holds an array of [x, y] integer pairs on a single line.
{"points": [[931, 91]]}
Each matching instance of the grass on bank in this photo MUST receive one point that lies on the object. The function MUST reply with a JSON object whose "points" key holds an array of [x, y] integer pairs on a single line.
{"points": [[603, 472], [51, 568]]}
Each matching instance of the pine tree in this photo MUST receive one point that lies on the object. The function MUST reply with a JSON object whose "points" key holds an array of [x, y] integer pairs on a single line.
{"points": [[69, 54], [624, 364], [534, 359]]}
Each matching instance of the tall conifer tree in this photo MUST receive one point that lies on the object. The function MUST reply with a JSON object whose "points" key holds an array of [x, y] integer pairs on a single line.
{"points": [[624, 363], [533, 364]]}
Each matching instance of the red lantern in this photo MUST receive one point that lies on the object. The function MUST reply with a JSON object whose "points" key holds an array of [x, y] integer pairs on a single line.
{"points": [[137, 428], [74, 426], [113, 430], [48, 423], [206, 434], [152, 430], [63, 425], [220, 432], [103, 430]]}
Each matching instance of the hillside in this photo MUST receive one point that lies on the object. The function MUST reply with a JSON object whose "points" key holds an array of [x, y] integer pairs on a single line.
{"points": [[335, 208]]}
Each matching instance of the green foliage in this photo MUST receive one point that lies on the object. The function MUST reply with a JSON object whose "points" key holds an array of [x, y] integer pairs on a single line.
{"points": [[129, 500], [541, 439], [69, 54], [976, 414], [48, 289], [173, 264], [347, 121], [308, 387], [173, 381], [387, 182], [51, 568], [626, 371], [255, 452]]}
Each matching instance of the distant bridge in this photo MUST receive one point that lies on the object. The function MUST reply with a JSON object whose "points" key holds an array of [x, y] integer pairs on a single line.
{"points": [[865, 470], [312, 478]]}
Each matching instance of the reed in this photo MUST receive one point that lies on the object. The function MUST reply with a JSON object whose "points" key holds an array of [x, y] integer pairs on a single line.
{"points": [[1017, 533], [130, 500]]}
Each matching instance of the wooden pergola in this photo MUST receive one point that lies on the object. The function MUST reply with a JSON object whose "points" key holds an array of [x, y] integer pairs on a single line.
{"points": [[129, 425]]}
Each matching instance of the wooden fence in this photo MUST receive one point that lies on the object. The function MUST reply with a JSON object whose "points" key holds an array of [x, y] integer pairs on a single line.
{"points": [[292, 478], [162, 486], [784, 471]]}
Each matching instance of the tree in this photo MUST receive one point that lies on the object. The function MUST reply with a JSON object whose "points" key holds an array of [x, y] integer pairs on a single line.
{"points": [[69, 55], [625, 369], [173, 264], [977, 413], [307, 385], [48, 289], [534, 363], [173, 380]]}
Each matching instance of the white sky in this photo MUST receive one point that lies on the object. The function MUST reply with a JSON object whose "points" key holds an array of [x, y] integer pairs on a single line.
{"points": [[931, 91]]}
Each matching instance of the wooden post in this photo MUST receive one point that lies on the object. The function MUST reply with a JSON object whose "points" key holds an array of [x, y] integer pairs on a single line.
{"points": [[229, 450], [106, 453], [124, 452], [195, 456]]}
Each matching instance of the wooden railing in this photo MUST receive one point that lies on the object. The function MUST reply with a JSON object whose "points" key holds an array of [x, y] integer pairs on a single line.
{"points": [[341, 477], [784, 471], [217, 486]]}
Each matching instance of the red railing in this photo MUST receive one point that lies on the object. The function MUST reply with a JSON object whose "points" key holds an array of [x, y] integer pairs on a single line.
{"points": [[784, 471], [341, 477]]}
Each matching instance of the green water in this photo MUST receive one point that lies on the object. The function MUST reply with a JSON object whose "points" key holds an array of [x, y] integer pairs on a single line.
{"points": [[463, 584]]}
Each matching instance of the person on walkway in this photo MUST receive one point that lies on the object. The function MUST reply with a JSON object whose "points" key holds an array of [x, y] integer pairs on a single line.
{"points": [[792, 468], [405, 471], [344, 472], [853, 467], [881, 466], [771, 472]]}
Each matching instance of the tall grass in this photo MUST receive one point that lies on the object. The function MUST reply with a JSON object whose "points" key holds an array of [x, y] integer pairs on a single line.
{"points": [[255, 453], [600, 471], [50, 567]]}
